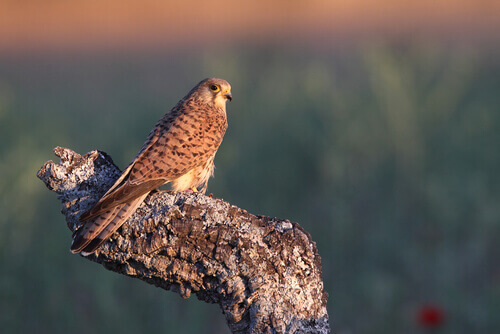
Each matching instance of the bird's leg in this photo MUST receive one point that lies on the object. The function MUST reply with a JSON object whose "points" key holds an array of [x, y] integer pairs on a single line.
{"points": [[193, 189]]}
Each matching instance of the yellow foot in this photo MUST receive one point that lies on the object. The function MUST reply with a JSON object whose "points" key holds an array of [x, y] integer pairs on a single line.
{"points": [[193, 189]]}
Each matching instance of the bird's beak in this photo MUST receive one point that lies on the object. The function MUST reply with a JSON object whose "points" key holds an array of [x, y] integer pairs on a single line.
{"points": [[227, 94]]}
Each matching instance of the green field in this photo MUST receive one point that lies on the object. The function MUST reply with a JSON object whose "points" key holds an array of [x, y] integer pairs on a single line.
{"points": [[387, 154]]}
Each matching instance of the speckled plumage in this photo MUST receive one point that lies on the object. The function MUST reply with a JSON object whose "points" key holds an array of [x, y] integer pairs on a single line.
{"points": [[180, 149]]}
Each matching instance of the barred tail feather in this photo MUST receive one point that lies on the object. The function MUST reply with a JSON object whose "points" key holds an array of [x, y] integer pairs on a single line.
{"points": [[91, 229], [93, 234], [122, 216]]}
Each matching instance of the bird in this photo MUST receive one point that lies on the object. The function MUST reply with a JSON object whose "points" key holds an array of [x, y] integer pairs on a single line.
{"points": [[180, 150]]}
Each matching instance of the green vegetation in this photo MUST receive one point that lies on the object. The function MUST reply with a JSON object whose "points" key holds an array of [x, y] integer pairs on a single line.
{"points": [[387, 154]]}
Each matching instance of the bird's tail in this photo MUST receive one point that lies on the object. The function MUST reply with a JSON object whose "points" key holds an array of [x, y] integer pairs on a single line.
{"points": [[94, 233]]}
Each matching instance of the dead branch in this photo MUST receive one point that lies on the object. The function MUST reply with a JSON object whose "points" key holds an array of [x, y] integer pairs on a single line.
{"points": [[265, 273]]}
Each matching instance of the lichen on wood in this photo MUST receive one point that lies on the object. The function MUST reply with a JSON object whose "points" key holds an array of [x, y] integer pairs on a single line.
{"points": [[264, 273]]}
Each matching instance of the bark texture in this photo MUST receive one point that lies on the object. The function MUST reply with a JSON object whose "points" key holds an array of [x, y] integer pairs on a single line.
{"points": [[265, 273]]}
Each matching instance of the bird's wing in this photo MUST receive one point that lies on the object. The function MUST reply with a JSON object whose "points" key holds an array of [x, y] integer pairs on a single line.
{"points": [[125, 189], [176, 145]]}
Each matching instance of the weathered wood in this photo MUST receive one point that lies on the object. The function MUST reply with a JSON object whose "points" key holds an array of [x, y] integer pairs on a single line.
{"points": [[265, 273]]}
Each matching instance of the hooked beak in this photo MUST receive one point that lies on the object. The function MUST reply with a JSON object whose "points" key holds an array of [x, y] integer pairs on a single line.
{"points": [[228, 96]]}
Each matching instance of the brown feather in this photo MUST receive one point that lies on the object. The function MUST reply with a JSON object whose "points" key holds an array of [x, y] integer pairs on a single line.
{"points": [[180, 149], [123, 194], [83, 236], [113, 223]]}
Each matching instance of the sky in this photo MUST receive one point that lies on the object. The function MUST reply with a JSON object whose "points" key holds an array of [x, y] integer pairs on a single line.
{"points": [[92, 24]]}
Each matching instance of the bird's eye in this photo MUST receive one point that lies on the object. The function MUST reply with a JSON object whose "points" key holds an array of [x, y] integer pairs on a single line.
{"points": [[214, 88]]}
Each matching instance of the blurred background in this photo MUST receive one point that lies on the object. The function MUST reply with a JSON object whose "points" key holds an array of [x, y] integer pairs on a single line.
{"points": [[374, 124]]}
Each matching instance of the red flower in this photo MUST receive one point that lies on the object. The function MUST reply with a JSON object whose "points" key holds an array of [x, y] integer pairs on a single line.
{"points": [[430, 316]]}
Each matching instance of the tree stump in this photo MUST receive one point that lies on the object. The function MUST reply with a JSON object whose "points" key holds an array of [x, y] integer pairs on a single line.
{"points": [[265, 273]]}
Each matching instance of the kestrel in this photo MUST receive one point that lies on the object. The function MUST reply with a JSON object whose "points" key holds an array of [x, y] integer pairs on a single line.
{"points": [[180, 149]]}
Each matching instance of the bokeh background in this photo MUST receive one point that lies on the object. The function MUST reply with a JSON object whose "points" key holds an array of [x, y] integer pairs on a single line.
{"points": [[374, 124]]}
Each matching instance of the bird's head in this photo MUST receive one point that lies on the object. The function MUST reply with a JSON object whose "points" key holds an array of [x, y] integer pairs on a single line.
{"points": [[216, 91]]}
